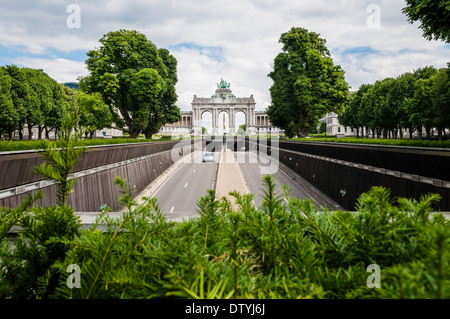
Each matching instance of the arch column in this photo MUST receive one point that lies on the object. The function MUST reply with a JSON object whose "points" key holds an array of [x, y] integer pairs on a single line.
{"points": [[214, 118], [232, 120]]}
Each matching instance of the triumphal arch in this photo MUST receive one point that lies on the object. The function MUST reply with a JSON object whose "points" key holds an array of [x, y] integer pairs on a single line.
{"points": [[222, 100]]}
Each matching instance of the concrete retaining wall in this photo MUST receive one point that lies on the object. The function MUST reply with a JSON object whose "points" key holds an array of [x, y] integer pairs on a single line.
{"points": [[139, 164], [343, 172]]}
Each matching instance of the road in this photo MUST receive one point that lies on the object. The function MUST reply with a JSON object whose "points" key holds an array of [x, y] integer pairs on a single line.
{"points": [[251, 168], [178, 195]]}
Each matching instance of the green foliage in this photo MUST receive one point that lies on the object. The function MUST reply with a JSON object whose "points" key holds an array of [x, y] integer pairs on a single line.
{"points": [[62, 156], [434, 17], [8, 115], [283, 249], [44, 235], [135, 79], [95, 114], [38, 145], [415, 101], [307, 84]]}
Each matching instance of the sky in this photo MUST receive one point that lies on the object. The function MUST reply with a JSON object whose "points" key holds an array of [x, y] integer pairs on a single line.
{"points": [[234, 40]]}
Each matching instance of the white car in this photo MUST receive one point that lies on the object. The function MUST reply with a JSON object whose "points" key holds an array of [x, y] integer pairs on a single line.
{"points": [[208, 157]]}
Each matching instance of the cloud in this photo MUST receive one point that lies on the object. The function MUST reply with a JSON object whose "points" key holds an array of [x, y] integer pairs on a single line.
{"points": [[62, 70]]}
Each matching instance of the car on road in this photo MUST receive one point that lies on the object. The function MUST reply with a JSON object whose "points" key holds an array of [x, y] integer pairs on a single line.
{"points": [[208, 157]]}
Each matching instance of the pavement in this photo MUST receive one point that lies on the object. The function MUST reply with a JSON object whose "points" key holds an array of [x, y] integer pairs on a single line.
{"points": [[229, 177]]}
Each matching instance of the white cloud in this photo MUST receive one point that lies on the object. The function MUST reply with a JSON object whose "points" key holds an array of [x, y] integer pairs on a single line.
{"points": [[236, 40], [62, 70]]}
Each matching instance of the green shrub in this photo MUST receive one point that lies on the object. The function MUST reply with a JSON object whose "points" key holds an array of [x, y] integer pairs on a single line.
{"points": [[283, 249], [44, 236], [280, 250]]}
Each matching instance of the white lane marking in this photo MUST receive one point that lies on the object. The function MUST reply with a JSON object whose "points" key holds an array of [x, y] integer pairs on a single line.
{"points": [[193, 171], [171, 210], [185, 185]]}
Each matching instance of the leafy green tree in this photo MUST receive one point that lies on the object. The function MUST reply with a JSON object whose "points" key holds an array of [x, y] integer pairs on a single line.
{"points": [[307, 84], [8, 114], [56, 110], [95, 114], [22, 96], [40, 96], [323, 128], [419, 107], [164, 110], [129, 73], [433, 15], [441, 100], [384, 113], [402, 89]]}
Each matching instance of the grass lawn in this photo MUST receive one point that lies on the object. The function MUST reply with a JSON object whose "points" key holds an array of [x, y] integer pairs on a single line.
{"points": [[36, 144]]}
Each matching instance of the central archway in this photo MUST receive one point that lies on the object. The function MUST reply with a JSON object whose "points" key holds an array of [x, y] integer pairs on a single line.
{"points": [[223, 122]]}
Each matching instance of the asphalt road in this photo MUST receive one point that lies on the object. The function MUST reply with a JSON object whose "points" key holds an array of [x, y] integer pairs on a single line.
{"points": [[252, 166], [178, 196]]}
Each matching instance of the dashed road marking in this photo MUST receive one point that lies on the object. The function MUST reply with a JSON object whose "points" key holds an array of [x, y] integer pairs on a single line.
{"points": [[185, 185], [171, 210]]}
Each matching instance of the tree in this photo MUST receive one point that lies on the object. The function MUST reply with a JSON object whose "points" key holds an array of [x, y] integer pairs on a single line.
{"points": [[306, 85], [132, 78], [164, 110], [365, 113], [323, 128], [38, 82], [419, 107], [57, 109], [8, 114], [95, 114], [433, 15], [22, 97], [441, 100], [402, 89]]}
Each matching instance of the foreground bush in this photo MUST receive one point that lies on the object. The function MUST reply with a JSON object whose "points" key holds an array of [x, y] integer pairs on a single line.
{"points": [[284, 249]]}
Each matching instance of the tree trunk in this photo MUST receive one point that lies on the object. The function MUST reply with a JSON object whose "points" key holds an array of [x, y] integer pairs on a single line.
{"points": [[20, 131], [439, 134], [30, 132], [134, 134], [303, 132]]}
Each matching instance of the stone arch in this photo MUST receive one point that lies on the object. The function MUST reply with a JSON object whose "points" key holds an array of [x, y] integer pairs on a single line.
{"points": [[240, 118], [206, 118]]}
